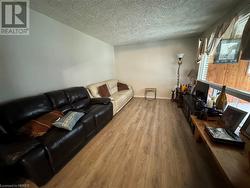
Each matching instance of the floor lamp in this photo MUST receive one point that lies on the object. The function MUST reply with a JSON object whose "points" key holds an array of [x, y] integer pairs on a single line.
{"points": [[180, 57]]}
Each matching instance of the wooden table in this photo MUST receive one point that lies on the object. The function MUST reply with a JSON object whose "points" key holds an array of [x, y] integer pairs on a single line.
{"points": [[148, 90], [233, 162]]}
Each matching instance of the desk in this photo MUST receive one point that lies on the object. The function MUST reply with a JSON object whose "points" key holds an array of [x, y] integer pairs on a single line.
{"points": [[233, 162], [148, 90]]}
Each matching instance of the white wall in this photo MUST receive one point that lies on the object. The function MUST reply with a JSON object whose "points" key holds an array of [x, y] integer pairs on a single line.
{"points": [[53, 56], [155, 64]]}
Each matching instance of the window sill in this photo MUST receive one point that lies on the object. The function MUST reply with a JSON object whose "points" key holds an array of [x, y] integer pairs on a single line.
{"points": [[244, 95]]}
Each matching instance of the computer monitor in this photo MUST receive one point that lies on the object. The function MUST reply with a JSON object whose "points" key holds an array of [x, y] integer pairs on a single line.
{"points": [[232, 118], [245, 129], [201, 90]]}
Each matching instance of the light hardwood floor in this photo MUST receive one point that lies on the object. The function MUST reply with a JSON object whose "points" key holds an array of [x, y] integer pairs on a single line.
{"points": [[148, 144]]}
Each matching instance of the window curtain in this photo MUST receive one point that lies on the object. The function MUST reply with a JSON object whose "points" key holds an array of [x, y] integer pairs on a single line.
{"points": [[210, 44], [201, 49], [245, 42], [216, 36]]}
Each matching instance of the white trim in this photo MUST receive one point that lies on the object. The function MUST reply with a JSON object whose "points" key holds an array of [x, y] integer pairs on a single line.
{"points": [[244, 95], [140, 96]]}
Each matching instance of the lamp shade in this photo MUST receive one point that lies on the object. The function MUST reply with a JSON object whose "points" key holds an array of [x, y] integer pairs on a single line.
{"points": [[180, 55]]}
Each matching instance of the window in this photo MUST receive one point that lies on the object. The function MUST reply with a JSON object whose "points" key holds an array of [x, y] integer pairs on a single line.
{"points": [[203, 68], [226, 69], [234, 75], [235, 102]]}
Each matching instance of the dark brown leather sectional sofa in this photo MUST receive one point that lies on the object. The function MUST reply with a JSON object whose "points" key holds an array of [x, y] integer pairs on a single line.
{"points": [[38, 159]]}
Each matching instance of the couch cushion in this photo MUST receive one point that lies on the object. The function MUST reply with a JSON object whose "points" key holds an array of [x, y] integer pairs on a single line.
{"points": [[112, 85], [78, 97], [100, 101], [102, 114], [103, 91], [88, 122], [60, 143], [121, 96], [80, 104], [93, 88], [120, 99], [59, 100], [15, 113]]}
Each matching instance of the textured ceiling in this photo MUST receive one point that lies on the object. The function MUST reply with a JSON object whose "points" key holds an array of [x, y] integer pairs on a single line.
{"points": [[121, 22]]}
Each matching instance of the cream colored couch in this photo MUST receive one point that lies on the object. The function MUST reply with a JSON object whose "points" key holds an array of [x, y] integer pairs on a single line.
{"points": [[118, 98]]}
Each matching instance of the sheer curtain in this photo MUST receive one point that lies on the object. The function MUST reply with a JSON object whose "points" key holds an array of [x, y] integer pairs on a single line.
{"points": [[201, 49], [217, 35]]}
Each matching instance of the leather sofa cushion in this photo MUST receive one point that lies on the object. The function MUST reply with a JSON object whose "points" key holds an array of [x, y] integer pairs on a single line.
{"points": [[102, 114], [103, 91], [88, 122], [78, 97], [100, 101], [16, 113], [58, 99], [65, 109], [60, 142], [80, 104]]}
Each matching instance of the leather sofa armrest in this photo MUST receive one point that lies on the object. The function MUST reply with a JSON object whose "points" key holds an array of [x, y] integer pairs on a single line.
{"points": [[12, 152], [100, 100], [36, 166]]}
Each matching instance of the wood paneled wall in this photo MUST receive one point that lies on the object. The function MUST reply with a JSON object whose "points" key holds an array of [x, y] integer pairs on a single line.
{"points": [[231, 75]]}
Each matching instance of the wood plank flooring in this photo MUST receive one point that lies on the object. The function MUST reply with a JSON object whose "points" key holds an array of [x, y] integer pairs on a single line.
{"points": [[148, 144]]}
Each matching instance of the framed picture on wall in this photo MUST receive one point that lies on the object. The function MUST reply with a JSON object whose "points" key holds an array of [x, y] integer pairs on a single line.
{"points": [[228, 51]]}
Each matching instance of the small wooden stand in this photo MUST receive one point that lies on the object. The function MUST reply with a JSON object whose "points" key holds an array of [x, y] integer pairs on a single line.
{"points": [[150, 90]]}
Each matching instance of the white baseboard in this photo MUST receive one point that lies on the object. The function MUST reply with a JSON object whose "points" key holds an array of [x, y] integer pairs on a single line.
{"points": [[140, 96]]}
